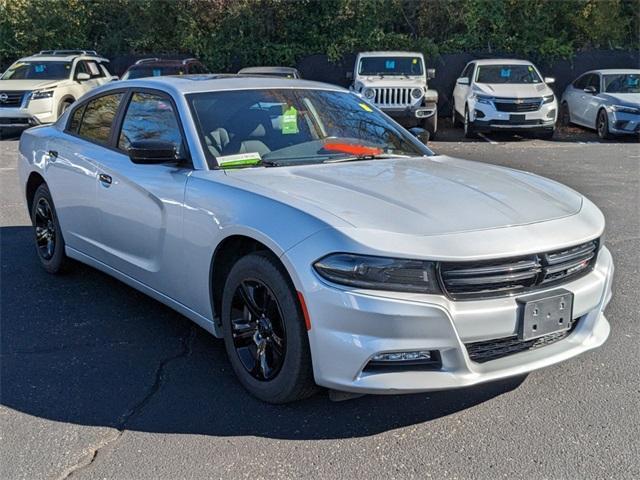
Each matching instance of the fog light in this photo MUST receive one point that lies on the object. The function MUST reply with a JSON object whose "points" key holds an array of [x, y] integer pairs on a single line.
{"points": [[420, 355], [551, 113], [479, 113]]}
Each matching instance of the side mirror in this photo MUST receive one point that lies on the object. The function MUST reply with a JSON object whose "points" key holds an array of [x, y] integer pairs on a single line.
{"points": [[462, 81], [153, 152], [349, 75], [420, 133], [431, 73], [591, 90], [81, 77], [549, 80]]}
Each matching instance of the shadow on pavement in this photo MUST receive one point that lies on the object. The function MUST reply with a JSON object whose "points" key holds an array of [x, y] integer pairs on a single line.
{"points": [[86, 349]]}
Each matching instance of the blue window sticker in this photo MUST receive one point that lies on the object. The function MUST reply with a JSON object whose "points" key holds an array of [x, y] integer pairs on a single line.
{"points": [[632, 81], [505, 72], [39, 68], [157, 72], [390, 64]]}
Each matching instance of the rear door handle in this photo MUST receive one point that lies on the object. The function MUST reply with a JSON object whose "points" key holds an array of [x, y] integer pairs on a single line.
{"points": [[105, 179]]}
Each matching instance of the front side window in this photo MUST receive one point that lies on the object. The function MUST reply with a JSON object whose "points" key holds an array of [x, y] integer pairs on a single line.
{"points": [[622, 83], [390, 66], [466, 73], [594, 81], [150, 117], [32, 70], [76, 118], [507, 74], [581, 83], [297, 126], [98, 118]]}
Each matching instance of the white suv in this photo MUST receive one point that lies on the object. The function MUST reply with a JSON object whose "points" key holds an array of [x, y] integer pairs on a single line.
{"points": [[504, 95], [39, 88], [396, 83]]}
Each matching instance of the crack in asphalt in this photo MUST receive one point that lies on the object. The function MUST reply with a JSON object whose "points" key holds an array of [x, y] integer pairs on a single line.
{"points": [[87, 460]]}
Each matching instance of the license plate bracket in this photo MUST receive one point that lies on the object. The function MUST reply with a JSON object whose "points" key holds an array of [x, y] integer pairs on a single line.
{"points": [[517, 118], [544, 313]]}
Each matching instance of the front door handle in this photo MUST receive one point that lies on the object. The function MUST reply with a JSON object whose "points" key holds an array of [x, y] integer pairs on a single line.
{"points": [[53, 155], [105, 179]]}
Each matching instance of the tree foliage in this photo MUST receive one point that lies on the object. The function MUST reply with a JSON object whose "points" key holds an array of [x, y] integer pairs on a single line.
{"points": [[229, 34]]}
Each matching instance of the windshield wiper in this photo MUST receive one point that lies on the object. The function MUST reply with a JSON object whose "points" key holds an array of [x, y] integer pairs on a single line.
{"points": [[369, 156]]}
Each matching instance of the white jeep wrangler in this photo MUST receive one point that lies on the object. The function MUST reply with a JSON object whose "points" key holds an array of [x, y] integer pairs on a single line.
{"points": [[396, 83], [39, 88]]}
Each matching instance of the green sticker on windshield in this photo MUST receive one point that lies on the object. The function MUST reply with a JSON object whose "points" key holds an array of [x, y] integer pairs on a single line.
{"points": [[290, 121]]}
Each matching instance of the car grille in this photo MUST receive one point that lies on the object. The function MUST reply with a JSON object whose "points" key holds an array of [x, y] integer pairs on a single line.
{"points": [[11, 99], [517, 106], [492, 278], [488, 350], [392, 97]]}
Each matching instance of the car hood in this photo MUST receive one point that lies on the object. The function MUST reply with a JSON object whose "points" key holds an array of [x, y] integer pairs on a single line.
{"points": [[626, 99], [27, 84], [419, 196], [397, 81], [512, 90]]}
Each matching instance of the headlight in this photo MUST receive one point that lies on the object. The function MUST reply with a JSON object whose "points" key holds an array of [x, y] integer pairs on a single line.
{"points": [[486, 99], [379, 273], [37, 95], [416, 92], [369, 93], [548, 99], [624, 109]]}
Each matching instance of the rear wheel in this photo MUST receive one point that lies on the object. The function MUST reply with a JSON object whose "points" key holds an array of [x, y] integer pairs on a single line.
{"points": [[48, 236], [264, 331], [602, 125]]}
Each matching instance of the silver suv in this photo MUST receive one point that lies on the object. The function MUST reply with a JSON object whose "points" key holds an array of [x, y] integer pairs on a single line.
{"points": [[39, 88]]}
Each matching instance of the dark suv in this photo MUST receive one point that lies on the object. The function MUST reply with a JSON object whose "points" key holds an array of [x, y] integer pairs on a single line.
{"points": [[155, 67]]}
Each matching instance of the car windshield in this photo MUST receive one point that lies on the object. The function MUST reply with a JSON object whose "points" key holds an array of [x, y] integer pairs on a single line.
{"points": [[296, 126], [153, 71], [38, 71], [622, 83], [507, 74], [390, 66]]}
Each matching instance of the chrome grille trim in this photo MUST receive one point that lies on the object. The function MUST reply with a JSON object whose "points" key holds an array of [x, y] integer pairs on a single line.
{"points": [[512, 276], [517, 105], [393, 97], [14, 98]]}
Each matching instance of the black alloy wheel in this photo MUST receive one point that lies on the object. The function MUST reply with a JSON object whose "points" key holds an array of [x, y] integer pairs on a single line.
{"points": [[258, 329], [45, 229]]}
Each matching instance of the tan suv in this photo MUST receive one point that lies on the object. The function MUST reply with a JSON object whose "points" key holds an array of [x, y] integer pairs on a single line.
{"points": [[39, 88]]}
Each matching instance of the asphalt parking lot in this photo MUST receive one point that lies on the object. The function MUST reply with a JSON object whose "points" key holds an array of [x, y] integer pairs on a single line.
{"points": [[99, 381]]}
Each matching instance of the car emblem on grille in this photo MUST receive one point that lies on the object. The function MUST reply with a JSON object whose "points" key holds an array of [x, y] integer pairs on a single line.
{"points": [[519, 101], [4, 97]]}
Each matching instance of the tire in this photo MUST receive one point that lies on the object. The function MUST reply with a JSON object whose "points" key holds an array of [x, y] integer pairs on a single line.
{"points": [[565, 115], [546, 135], [47, 233], [469, 131], [64, 106], [271, 323], [602, 125], [454, 116], [431, 125]]}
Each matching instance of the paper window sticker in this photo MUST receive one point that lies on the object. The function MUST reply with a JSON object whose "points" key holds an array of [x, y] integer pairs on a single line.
{"points": [[239, 160], [505, 72], [39, 68], [290, 121], [414, 61], [390, 64], [530, 68], [365, 107], [157, 72], [632, 81], [93, 68]]}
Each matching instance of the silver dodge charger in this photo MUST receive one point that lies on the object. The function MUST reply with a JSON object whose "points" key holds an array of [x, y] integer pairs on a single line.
{"points": [[327, 245]]}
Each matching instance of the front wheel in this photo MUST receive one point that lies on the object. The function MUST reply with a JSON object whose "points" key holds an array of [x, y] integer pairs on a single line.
{"points": [[430, 124], [48, 235], [602, 125], [469, 130], [565, 115], [264, 331]]}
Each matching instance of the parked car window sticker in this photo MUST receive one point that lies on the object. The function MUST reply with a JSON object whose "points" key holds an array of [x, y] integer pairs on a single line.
{"points": [[289, 120], [93, 69], [239, 160]]}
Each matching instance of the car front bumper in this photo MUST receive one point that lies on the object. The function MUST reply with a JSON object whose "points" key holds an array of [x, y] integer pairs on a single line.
{"points": [[485, 117], [349, 327], [410, 114], [622, 123], [38, 112]]}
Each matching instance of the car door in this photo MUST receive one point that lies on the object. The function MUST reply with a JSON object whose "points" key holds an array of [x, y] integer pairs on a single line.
{"points": [[141, 204], [592, 101], [573, 97], [72, 169], [583, 98], [461, 91]]}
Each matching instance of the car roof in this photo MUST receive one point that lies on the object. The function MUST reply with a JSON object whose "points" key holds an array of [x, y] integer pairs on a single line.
{"points": [[62, 56], [614, 71], [501, 61], [185, 84], [268, 70], [392, 53]]}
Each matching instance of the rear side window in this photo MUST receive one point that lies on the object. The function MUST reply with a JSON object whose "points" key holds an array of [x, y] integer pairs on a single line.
{"points": [[76, 118], [98, 118], [150, 117]]}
